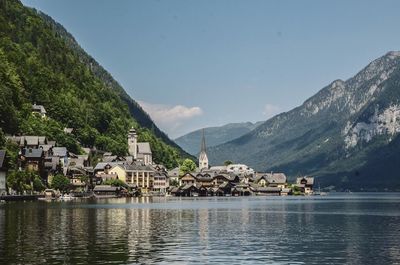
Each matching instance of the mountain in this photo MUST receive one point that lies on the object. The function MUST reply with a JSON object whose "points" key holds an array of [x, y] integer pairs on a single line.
{"points": [[214, 135], [347, 135], [40, 62]]}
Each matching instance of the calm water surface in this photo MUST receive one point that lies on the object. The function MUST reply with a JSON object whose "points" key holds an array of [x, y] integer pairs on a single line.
{"points": [[336, 229]]}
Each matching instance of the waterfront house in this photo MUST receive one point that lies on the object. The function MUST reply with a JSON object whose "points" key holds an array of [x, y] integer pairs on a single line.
{"points": [[3, 173], [161, 182], [305, 184], [274, 191], [106, 191], [141, 176], [205, 180], [241, 190], [189, 190], [187, 179], [75, 176]]}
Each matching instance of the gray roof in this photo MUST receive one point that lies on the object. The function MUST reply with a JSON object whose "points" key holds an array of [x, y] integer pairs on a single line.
{"points": [[51, 162], [174, 190], [45, 147], [278, 178], [102, 165], [86, 150], [273, 178], [268, 189], [138, 167], [60, 151], [38, 108], [32, 152], [109, 158], [105, 188], [42, 140], [2, 157], [188, 186], [68, 130], [310, 180], [53, 143], [174, 172], [30, 140], [144, 148]]}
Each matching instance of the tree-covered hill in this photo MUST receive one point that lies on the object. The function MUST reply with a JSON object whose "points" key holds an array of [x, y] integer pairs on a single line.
{"points": [[40, 62]]}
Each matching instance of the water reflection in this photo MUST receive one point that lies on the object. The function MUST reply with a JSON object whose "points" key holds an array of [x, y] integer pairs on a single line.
{"points": [[335, 230]]}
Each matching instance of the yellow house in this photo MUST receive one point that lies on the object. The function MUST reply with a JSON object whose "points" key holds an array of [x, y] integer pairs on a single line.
{"points": [[119, 171]]}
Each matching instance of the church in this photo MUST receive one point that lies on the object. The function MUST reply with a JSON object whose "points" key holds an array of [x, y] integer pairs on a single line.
{"points": [[203, 159], [140, 151]]}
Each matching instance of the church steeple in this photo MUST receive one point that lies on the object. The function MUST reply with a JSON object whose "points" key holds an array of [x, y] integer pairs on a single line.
{"points": [[203, 159], [203, 143]]}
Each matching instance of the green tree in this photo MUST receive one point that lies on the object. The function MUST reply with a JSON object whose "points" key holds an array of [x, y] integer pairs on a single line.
{"points": [[61, 183], [187, 166], [115, 183], [38, 184], [228, 162]]}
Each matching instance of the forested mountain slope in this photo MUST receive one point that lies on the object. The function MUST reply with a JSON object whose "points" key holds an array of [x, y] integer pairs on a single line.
{"points": [[41, 63]]}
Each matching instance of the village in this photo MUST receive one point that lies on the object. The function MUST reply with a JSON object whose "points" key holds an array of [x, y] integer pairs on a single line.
{"points": [[136, 174]]}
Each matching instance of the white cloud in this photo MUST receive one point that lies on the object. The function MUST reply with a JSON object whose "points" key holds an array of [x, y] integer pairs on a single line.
{"points": [[271, 110], [170, 118]]}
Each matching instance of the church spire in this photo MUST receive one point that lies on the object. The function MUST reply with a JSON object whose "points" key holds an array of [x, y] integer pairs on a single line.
{"points": [[203, 159], [203, 143]]}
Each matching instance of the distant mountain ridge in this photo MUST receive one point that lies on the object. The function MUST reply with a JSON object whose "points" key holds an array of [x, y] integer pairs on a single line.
{"points": [[335, 135], [214, 135]]}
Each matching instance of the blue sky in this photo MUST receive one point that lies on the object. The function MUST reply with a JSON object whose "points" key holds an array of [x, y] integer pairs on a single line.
{"points": [[204, 63]]}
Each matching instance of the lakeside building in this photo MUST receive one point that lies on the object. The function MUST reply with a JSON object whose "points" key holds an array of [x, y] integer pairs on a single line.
{"points": [[305, 184], [140, 151]]}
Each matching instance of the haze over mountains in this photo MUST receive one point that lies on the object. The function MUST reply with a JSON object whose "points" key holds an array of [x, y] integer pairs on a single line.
{"points": [[346, 135], [215, 135]]}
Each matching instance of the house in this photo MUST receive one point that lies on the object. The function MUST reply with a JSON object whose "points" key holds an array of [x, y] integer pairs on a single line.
{"points": [[187, 179], [241, 190], [102, 172], [39, 110], [225, 188], [76, 175], [189, 190], [79, 161], [240, 169], [32, 159], [106, 191], [305, 184], [173, 175], [119, 171], [272, 180], [3, 173], [205, 180], [274, 191], [141, 176], [161, 182]]}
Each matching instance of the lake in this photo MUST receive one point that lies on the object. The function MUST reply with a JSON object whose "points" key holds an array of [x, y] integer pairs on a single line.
{"points": [[357, 228]]}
